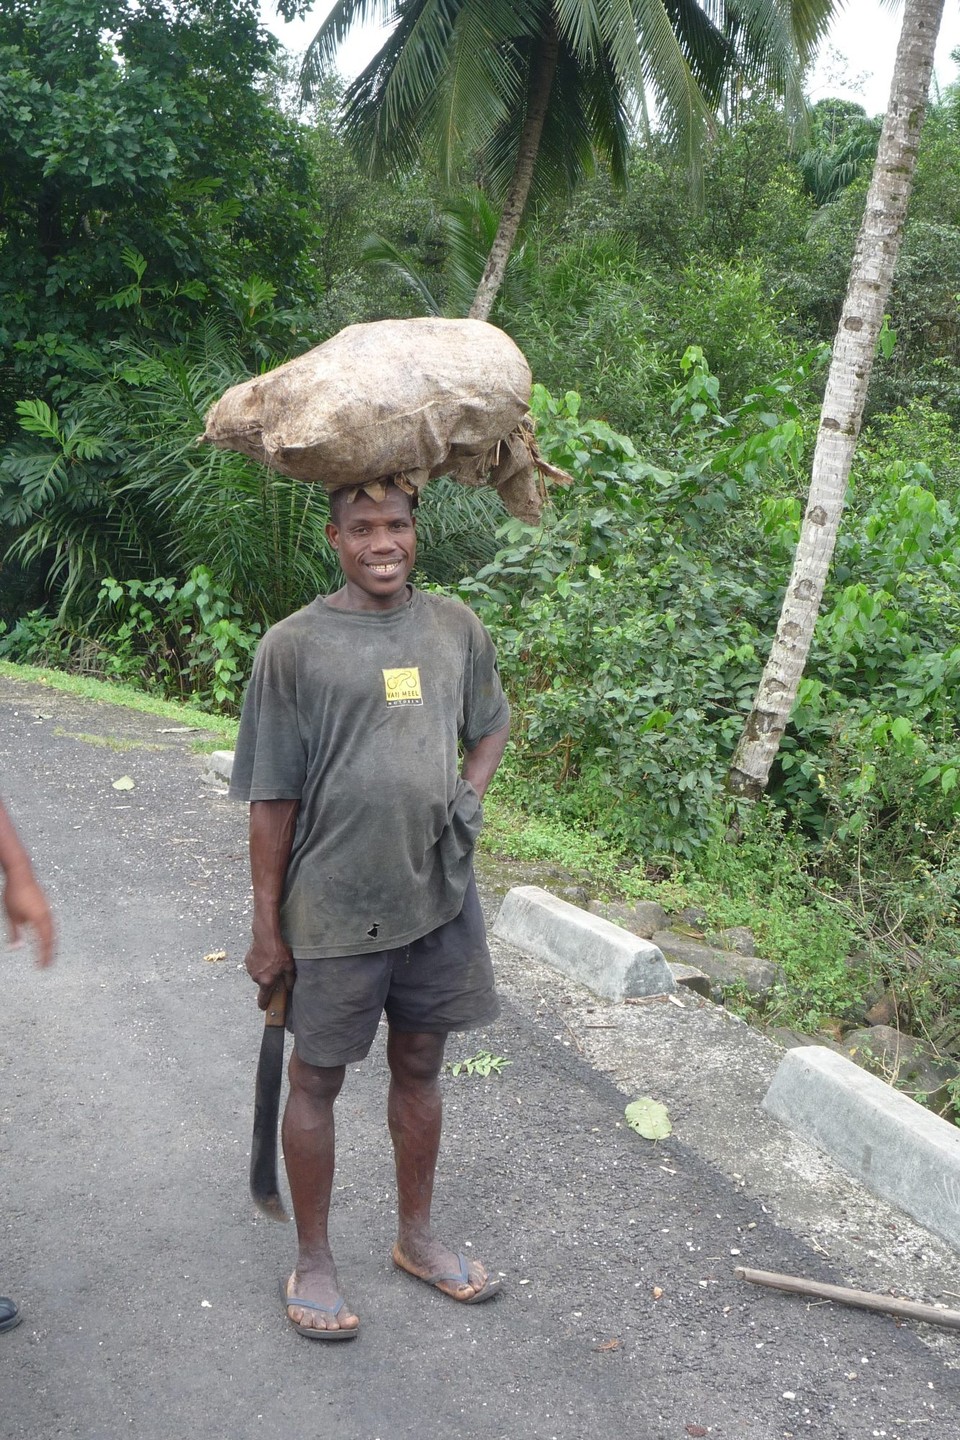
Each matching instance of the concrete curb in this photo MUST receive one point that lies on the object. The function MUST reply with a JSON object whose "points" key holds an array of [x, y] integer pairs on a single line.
{"points": [[893, 1146], [221, 764], [598, 954]]}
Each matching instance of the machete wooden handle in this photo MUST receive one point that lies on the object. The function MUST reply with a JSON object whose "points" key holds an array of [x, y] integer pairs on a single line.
{"points": [[276, 1013]]}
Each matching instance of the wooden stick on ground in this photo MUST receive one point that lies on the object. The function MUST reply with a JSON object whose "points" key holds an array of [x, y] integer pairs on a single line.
{"points": [[909, 1309]]}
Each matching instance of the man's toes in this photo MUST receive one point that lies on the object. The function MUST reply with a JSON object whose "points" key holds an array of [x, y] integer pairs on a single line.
{"points": [[478, 1277]]}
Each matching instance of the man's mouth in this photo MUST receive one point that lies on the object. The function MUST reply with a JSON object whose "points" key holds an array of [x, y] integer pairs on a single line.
{"points": [[387, 569]]}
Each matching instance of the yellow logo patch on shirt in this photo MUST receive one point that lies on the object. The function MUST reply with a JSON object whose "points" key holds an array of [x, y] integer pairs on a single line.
{"points": [[403, 686]]}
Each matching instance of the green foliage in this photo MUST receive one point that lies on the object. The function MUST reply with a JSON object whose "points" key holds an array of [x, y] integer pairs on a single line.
{"points": [[187, 641], [842, 143], [483, 1064], [444, 280], [631, 629], [648, 1118], [121, 159], [756, 870], [626, 648], [116, 484], [182, 641]]}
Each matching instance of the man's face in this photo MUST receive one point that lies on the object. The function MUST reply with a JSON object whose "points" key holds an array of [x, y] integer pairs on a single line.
{"points": [[377, 546]]}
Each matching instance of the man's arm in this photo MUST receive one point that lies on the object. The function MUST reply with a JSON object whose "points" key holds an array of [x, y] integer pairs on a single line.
{"points": [[480, 763], [273, 824], [24, 901]]}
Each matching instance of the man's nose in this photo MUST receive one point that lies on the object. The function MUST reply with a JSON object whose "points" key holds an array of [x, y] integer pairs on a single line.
{"points": [[383, 542]]}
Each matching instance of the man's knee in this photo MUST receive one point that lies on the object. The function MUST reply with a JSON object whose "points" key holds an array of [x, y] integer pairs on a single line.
{"points": [[414, 1058], [318, 1084]]}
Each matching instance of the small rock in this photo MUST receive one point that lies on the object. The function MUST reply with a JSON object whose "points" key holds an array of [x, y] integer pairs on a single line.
{"points": [[791, 1039], [615, 911], [649, 917], [884, 1011], [904, 1061], [575, 895], [694, 916], [725, 968], [738, 938]]}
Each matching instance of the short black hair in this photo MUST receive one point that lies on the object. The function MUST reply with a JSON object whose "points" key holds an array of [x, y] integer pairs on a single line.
{"points": [[347, 493]]}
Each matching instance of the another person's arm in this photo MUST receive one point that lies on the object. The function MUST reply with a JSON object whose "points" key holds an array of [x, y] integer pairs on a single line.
{"points": [[480, 763], [24, 901], [273, 825]]}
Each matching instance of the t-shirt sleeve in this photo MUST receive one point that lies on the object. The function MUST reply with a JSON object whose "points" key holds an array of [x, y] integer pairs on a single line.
{"points": [[486, 708], [269, 762]]}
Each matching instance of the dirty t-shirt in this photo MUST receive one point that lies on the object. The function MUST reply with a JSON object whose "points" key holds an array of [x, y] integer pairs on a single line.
{"points": [[358, 714]]}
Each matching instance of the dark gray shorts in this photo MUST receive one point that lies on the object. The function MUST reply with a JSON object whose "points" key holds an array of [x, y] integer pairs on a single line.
{"points": [[441, 982]]}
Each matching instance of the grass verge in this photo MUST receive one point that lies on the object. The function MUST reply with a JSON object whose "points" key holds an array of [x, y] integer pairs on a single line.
{"points": [[220, 727]]}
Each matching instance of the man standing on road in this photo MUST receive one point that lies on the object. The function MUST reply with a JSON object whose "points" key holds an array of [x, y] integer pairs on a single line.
{"points": [[361, 852], [26, 909]]}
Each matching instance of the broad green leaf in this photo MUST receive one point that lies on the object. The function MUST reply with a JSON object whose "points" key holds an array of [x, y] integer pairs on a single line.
{"points": [[649, 1118], [124, 783]]}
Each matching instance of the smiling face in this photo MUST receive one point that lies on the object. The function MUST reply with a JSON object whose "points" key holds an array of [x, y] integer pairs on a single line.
{"points": [[377, 546]]}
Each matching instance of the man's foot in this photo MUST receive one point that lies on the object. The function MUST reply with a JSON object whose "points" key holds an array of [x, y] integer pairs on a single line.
{"points": [[453, 1275], [10, 1316], [314, 1308]]}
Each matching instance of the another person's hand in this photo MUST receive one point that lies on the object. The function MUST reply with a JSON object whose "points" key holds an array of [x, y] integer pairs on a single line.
{"points": [[27, 909]]}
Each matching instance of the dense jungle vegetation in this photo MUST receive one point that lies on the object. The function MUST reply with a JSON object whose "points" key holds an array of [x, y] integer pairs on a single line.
{"points": [[171, 221]]}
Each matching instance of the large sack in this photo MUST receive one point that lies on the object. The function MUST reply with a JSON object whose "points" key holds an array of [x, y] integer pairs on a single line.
{"points": [[402, 399]]}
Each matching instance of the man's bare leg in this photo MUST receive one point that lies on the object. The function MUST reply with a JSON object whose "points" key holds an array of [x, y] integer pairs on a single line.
{"points": [[415, 1116], [309, 1154]]}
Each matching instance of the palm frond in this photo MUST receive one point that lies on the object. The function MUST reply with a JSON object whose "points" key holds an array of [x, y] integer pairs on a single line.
{"points": [[375, 250], [386, 108], [481, 85], [345, 15]]}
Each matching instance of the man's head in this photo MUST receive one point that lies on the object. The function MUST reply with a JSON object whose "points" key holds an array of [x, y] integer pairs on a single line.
{"points": [[376, 541]]}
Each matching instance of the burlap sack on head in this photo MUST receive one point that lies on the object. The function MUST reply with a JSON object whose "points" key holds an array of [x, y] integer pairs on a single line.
{"points": [[399, 399]]}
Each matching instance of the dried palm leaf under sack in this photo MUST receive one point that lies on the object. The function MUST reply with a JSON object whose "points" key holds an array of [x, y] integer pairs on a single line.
{"points": [[405, 400]]}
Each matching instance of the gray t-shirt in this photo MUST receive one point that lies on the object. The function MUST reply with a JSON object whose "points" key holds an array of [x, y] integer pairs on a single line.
{"points": [[358, 714]]}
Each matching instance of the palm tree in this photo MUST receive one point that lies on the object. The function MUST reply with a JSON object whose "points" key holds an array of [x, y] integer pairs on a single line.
{"points": [[467, 226], [843, 403], [534, 90]]}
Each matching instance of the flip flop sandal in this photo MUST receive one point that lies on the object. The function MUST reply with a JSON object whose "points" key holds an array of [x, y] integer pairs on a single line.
{"points": [[311, 1331], [462, 1277]]}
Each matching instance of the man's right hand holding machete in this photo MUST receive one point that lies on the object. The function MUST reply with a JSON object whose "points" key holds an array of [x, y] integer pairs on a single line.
{"points": [[362, 829]]}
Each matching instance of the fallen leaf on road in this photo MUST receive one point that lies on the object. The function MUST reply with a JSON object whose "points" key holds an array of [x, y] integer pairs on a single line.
{"points": [[613, 1344], [696, 1430], [649, 1118], [657, 1292], [124, 783], [215, 955]]}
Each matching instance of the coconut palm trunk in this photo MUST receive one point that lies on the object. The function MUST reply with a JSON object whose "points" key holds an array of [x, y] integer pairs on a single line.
{"points": [[846, 392], [541, 84]]}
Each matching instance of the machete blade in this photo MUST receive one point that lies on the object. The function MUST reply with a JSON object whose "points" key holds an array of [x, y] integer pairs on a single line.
{"points": [[266, 1110]]}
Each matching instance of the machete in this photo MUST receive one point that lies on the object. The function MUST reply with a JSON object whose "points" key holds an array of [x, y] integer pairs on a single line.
{"points": [[266, 1109]]}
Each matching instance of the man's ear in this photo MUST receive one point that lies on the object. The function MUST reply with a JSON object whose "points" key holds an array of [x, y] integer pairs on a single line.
{"points": [[332, 533]]}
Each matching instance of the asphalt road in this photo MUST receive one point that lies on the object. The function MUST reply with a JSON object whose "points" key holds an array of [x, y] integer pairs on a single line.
{"points": [[149, 1284]]}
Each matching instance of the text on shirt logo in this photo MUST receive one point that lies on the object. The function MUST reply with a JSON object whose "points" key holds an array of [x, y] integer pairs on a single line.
{"points": [[403, 686]]}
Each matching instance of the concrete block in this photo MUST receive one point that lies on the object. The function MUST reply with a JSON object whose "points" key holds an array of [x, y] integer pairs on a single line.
{"points": [[895, 1147], [608, 960], [691, 978], [221, 763]]}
